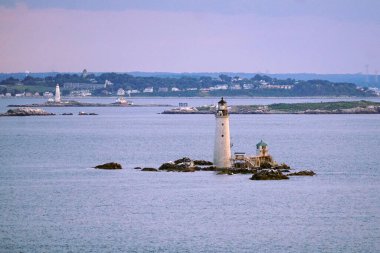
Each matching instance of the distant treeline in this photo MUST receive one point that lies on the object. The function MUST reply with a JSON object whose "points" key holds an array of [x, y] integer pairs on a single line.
{"points": [[222, 85]]}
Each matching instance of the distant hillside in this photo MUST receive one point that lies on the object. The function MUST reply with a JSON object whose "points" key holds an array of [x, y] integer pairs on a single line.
{"points": [[358, 79], [168, 84]]}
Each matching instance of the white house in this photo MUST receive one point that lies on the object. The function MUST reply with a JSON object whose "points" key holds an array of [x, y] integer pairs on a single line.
{"points": [[148, 90], [120, 92]]}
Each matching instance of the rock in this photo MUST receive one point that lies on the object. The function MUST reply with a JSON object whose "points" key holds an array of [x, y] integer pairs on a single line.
{"points": [[225, 172], [65, 114], [183, 160], [109, 166], [180, 166], [202, 162], [168, 167], [26, 111], [137, 168], [85, 113], [302, 173], [284, 167], [268, 175], [149, 169], [209, 168], [265, 165]]}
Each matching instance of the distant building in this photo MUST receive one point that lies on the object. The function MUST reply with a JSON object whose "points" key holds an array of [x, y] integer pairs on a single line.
{"points": [[235, 87], [82, 86], [120, 92], [221, 87], [81, 93], [8, 94], [205, 90], [84, 73], [247, 86], [175, 89], [107, 83], [275, 86], [134, 91], [163, 89], [48, 94], [148, 90]]}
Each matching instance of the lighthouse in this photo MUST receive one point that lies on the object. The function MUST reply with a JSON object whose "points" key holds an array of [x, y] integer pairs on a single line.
{"points": [[57, 97], [222, 146]]}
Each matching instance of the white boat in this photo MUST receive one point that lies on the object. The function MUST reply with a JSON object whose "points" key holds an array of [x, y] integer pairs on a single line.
{"points": [[122, 100]]}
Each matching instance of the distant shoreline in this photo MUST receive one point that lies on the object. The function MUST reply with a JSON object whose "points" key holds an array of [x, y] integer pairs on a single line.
{"points": [[339, 107], [200, 97]]}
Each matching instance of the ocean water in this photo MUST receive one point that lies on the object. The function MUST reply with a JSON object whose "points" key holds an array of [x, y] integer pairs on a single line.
{"points": [[52, 200]]}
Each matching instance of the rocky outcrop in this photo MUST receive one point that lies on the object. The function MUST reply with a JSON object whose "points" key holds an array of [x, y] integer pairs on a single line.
{"points": [[26, 111], [185, 164], [268, 174], [171, 166], [109, 166], [85, 113], [202, 162], [149, 169], [302, 173]]}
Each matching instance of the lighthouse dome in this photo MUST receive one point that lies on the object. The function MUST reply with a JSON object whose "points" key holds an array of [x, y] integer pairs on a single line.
{"points": [[261, 144]]}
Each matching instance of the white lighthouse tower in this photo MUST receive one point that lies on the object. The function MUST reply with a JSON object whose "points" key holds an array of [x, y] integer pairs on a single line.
{"points": [[222, 146], [57, 97]]}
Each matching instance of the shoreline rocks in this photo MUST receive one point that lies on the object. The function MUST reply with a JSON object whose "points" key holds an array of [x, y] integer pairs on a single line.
{"points": [[149, 169], [268, 174], [85, 113]]}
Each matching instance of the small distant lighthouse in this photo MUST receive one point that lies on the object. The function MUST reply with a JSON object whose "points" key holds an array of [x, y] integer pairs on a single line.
{"points": [[57, 97], [222, 146]]}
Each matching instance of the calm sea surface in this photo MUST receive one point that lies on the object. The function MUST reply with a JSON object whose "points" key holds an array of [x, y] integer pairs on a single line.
{"points": [[51, 200]]}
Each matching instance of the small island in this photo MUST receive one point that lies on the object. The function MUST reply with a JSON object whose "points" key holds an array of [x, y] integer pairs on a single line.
{"points": [[263, 171], [25, 111], [341, 107]]}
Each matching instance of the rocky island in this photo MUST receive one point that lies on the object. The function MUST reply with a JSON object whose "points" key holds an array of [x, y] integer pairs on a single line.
{"points": [[341, 107], [26, 111], [265, 171]]}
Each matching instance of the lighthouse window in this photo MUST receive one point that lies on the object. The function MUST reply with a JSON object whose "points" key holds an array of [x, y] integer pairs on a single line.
{"points": [[222, 124], [222, 135]]}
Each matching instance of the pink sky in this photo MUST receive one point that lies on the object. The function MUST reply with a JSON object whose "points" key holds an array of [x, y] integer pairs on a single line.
{"points": [[49, 39]]}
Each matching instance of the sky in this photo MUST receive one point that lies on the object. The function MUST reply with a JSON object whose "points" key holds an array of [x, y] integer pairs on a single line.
{"points": [[269, 36]]}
